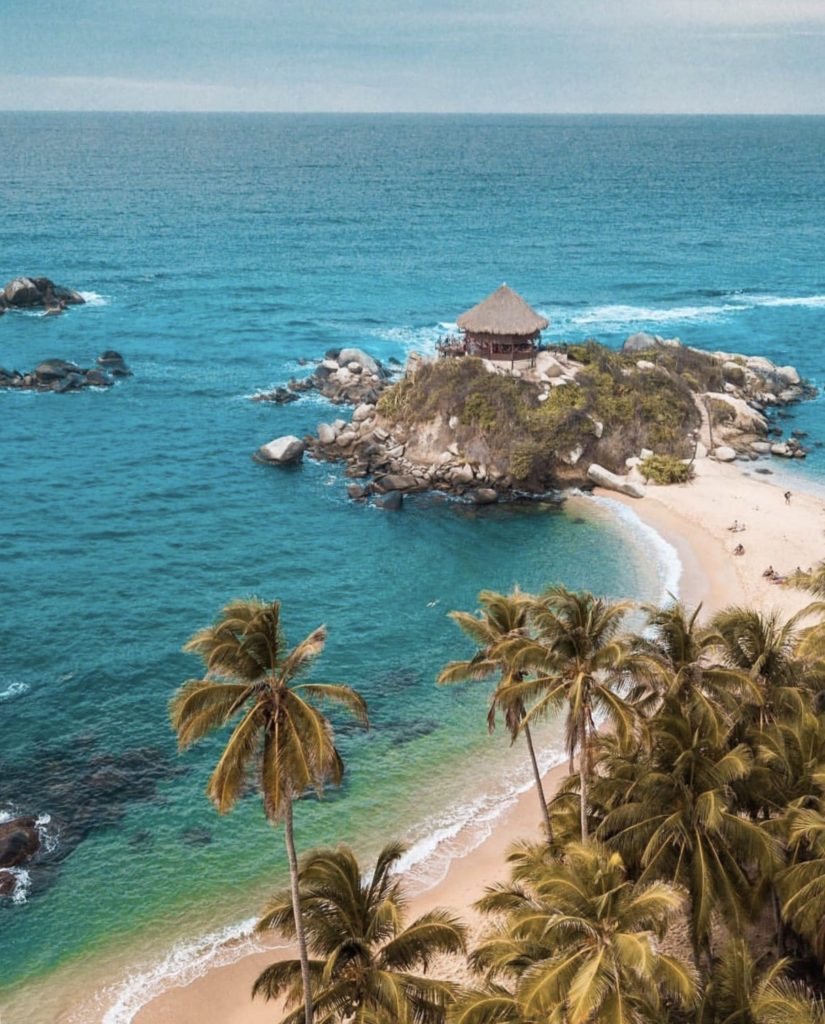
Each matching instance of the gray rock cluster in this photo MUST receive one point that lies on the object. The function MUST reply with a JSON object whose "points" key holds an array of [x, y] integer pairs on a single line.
{"points": [[346, 376], [60, 376], [380, 458], [753, 386], [38, 293]]}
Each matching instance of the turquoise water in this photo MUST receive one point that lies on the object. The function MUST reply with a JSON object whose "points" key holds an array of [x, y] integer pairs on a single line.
{"points": [[216, 252]]}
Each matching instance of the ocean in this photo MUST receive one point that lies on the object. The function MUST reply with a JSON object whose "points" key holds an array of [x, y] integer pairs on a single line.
{"points": [[216, 252]]}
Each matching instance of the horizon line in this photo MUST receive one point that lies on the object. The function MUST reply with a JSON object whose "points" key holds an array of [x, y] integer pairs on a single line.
{"points": [[418, 113]]}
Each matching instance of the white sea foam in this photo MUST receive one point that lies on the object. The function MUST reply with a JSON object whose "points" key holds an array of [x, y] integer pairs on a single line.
{"points": [[619, 315], [14, 690], [182, 965], [415, 339], [48, 843], [669, 565], [462, 828], [433, 846], [94, 298], [22, 884]]}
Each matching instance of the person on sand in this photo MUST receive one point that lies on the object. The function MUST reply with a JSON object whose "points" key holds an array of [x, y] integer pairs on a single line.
{"points": [[739, 549], [787, 497], [770, 572]]}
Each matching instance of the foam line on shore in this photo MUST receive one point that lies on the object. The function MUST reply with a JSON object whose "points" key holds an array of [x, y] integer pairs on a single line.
{"points": [[669, 565], [186, 961], [434, 845]]}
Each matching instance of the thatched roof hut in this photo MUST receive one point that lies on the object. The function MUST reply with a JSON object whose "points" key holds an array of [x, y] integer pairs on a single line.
{"points": [[502, 326], [502, 312]]}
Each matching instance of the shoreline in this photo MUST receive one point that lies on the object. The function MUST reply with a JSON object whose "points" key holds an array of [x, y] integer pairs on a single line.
{"points": [[693, 519]]}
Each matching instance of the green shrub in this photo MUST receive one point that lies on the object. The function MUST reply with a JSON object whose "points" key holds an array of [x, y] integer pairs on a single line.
{"points": [[478, 411], [720, 411], [665, 469]]}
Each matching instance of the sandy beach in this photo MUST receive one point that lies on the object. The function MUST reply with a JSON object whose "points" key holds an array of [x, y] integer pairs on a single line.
{"points": [[694, 518]]}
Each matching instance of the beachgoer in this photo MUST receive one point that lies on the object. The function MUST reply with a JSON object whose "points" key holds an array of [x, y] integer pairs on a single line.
{"points": [[770, 571], [739, 549], [787, 497]]}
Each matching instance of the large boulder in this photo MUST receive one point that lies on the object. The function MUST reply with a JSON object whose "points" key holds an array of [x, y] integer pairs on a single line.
{"points": [[31, 292], [54, 369], [613, 482], [356, 355], [788, 374], [742, 416], [639, 342], [326, 433], [484, 496], [547, 364], [22, 293], [283, 451], [19, 842], [397, 482], [724, 453]]}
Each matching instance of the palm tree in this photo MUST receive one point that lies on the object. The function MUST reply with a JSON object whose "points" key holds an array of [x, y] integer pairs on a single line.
{"points": [[768, 649], [802, 883], [578, 945], [685, 653], [578, 663], [675, 818], [364, 956], [282, 739], [739, 993], [502, 616]]}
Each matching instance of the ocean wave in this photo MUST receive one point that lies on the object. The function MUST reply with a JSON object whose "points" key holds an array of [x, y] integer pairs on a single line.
{"points": [[22, 885], [14, 690], [459, 830], [433, 846], [628, 316], [182, 965], [415, 339]]}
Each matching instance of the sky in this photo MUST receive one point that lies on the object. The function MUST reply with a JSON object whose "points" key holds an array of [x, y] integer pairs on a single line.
{"points": [[474, 56]]}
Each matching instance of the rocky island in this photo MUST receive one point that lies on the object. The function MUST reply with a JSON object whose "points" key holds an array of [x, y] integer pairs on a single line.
{"points": [[578, 415]]}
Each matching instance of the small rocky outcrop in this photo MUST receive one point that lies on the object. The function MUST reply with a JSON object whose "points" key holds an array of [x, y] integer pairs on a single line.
{"points": [[38, 293], [346, 376], [280, 396], [59, 375], [283, 451], [19, 842]]}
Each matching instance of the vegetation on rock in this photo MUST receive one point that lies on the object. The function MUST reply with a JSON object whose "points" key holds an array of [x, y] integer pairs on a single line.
{"points": [[612, 410], [665, 469]]}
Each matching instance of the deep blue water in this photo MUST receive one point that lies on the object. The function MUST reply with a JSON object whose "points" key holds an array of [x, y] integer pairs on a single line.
{"points": [[218, 251]]}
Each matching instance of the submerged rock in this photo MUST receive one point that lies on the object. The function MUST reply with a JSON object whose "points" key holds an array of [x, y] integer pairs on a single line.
{"points": [[392, 501], [19, 842]]}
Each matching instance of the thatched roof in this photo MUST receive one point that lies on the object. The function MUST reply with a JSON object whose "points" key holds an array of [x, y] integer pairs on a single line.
{"points": [[502, 312]]}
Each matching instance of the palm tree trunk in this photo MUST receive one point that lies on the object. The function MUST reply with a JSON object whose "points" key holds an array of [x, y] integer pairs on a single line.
{"points": [[539, 788], [296, 910], [584, 772]]}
